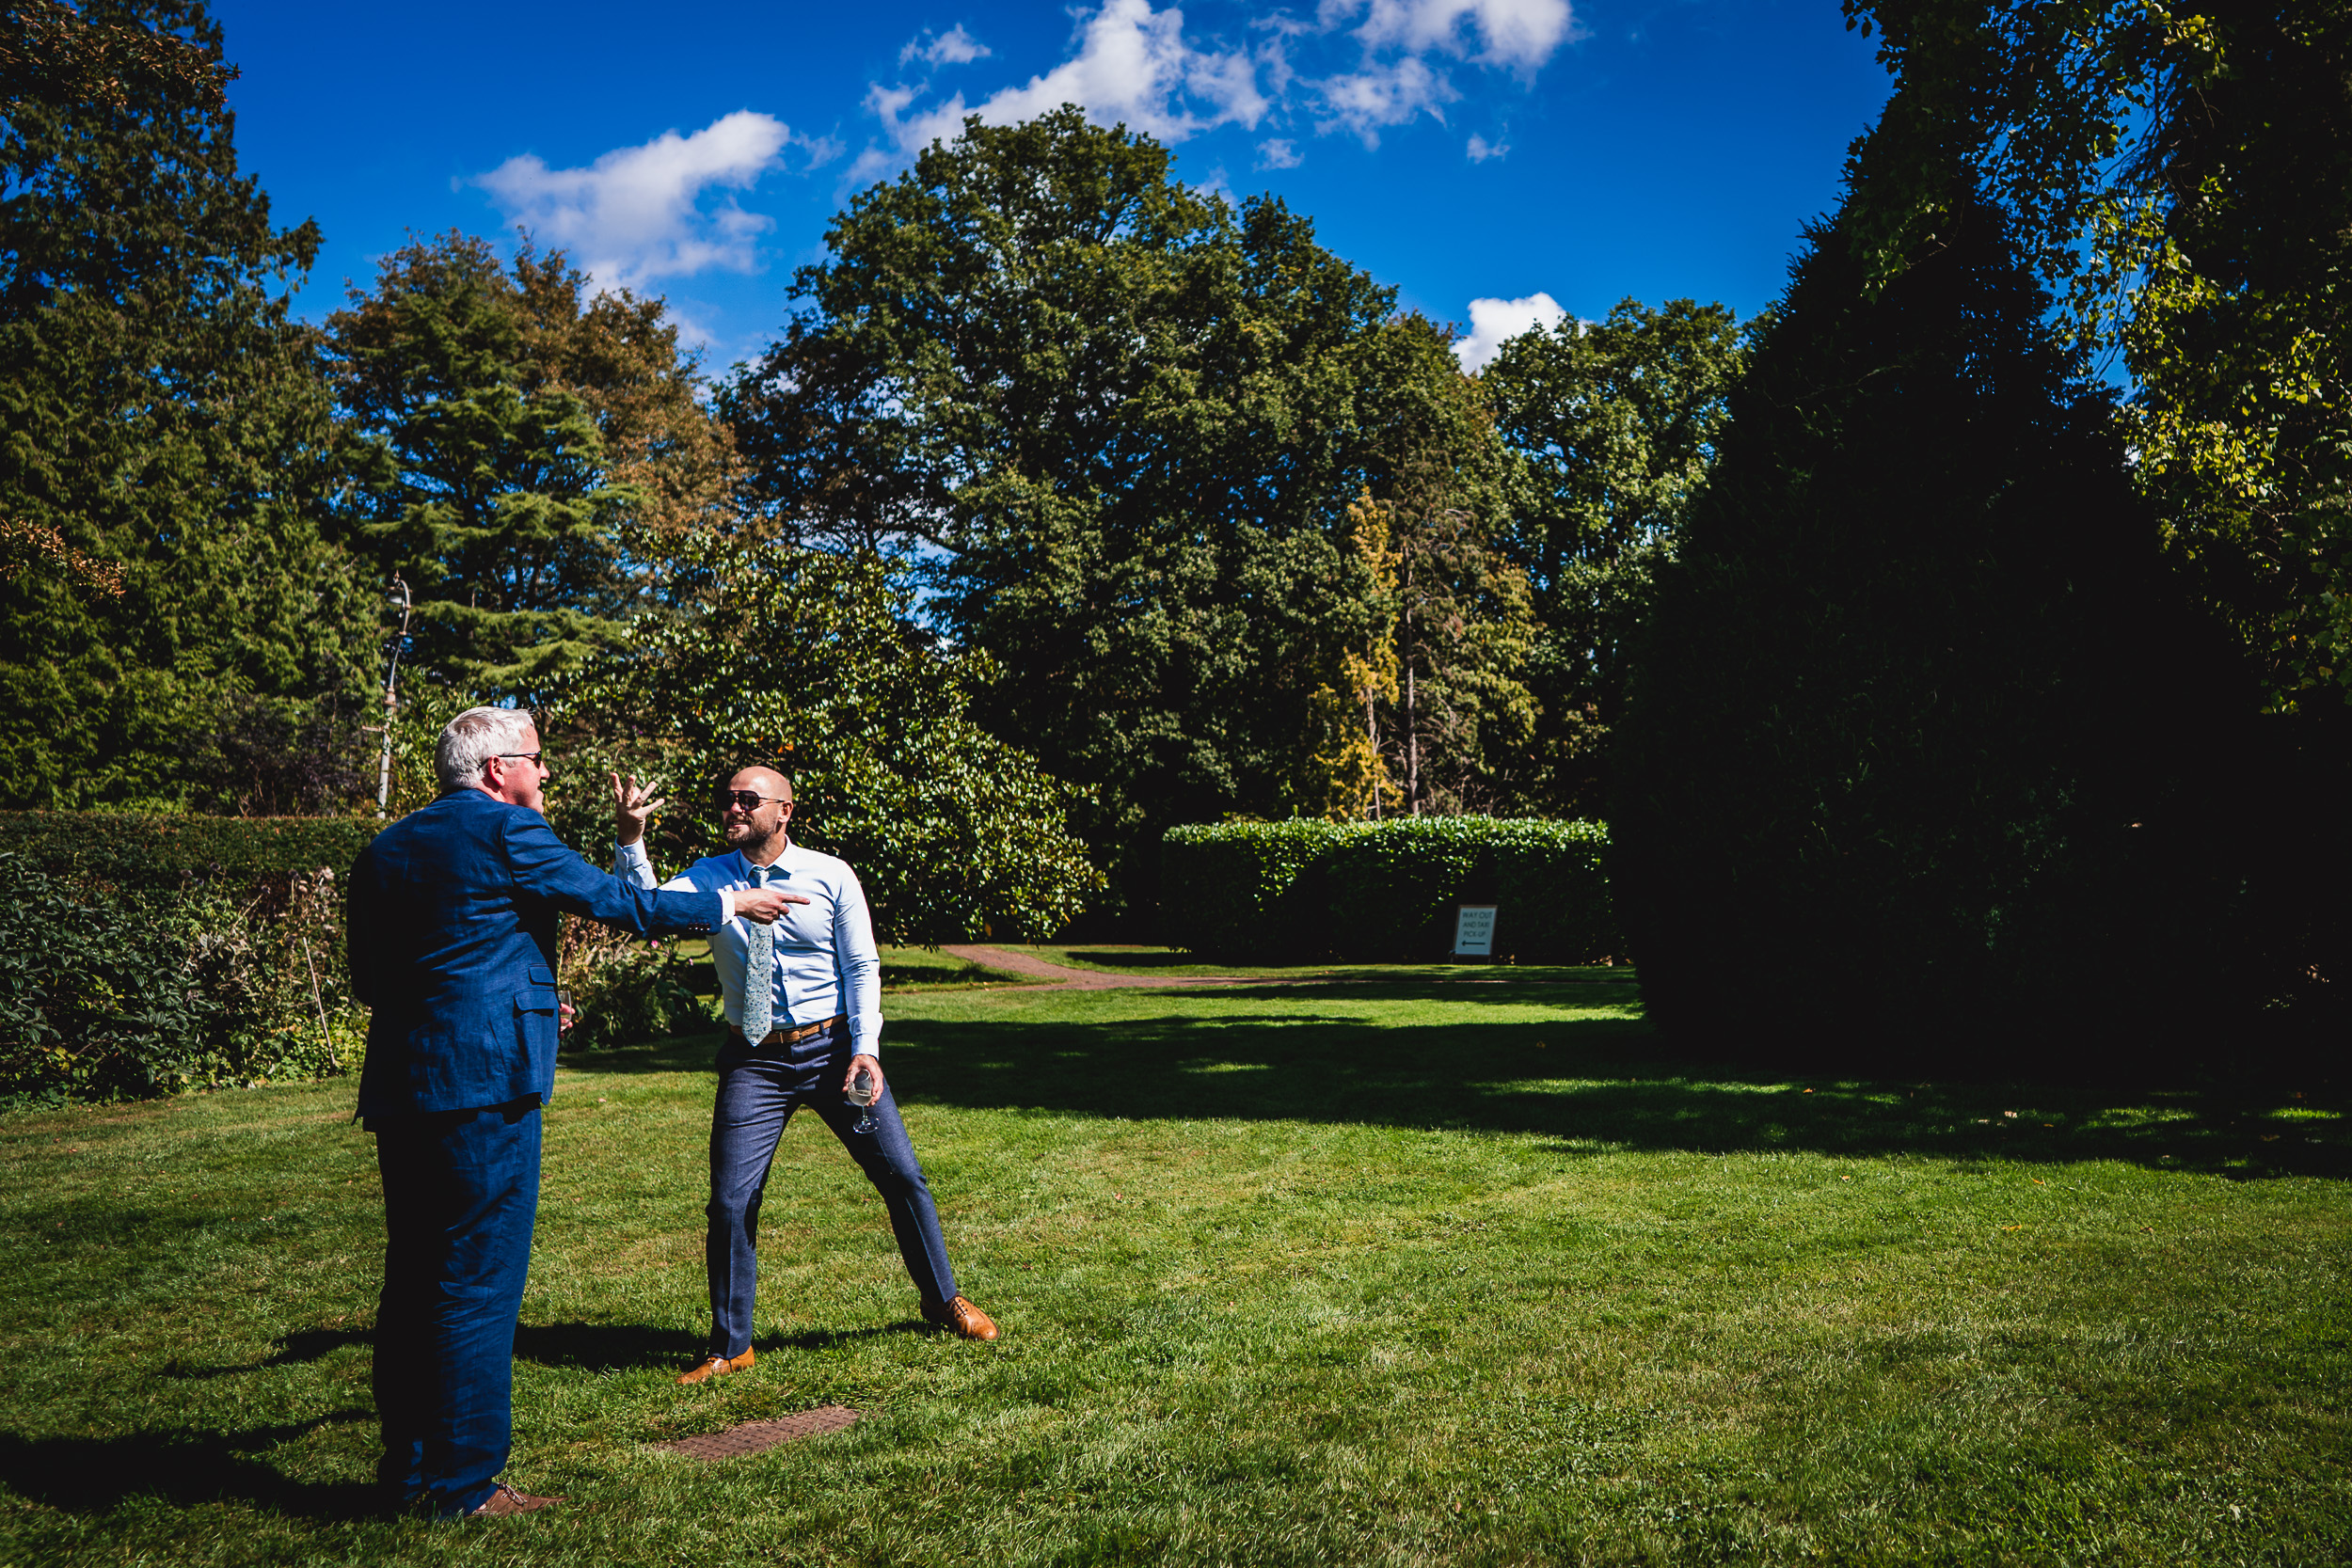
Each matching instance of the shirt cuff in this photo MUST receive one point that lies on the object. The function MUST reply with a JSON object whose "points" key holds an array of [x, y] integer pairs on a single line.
{"points": [[865, 1035], [726, 905]]}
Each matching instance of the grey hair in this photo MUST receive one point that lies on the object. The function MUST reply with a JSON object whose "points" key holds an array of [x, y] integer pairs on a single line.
{"points": [[472, 738]]}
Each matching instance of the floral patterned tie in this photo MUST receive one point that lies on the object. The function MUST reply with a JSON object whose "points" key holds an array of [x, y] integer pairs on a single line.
{"points": [[760, 972]]}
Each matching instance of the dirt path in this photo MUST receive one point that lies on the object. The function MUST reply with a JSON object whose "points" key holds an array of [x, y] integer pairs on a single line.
{"points": [[1066, 978]]}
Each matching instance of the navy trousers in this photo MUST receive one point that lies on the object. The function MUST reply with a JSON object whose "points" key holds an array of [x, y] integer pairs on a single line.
{"points": [[461, 1189], [759, 1088]]}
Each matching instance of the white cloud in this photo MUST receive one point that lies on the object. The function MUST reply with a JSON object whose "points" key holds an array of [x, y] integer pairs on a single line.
{"points": [[1480, 149], [1361, 66], [1520, 34], [1133, 65], [691, 329], [635, 214], [953, 47], [1365, 101], [1495, 321]]}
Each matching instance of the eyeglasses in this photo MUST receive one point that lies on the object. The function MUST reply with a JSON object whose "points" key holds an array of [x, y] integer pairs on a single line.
{"points": [[527, 756], [748, 799]]}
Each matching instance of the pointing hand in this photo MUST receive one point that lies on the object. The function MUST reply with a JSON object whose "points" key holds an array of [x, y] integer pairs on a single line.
{"points": [[764, 904]]}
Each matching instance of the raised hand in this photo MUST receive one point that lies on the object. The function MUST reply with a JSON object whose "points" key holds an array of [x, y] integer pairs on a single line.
{"points": [[633, 805]]}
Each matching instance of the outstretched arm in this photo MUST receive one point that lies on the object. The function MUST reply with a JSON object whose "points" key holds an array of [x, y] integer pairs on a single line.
{"points": [[545, 865]]}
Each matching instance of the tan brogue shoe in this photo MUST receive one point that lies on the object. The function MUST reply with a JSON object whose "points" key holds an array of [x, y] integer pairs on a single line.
{"points": [[715, 1366], [959, 1317], [506, 1501]]}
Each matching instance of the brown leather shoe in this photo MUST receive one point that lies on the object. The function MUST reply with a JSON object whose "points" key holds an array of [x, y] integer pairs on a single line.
{"points": [[715, 1366], [961, 1318], [506, 1501]]}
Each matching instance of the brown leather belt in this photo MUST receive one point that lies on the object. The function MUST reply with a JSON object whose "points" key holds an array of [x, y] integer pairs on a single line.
{"points": [[787, 1037]]}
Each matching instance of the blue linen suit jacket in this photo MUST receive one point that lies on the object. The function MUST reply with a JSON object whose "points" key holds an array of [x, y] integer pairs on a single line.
{"points": [[451, 930]]}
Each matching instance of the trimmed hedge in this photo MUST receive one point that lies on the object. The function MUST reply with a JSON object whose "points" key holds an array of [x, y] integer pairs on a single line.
{"points": [[146, 849], [1371, 892], [144, 991]]}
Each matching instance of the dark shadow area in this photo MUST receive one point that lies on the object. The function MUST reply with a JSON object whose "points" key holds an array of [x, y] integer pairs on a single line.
{"points": [[91, 1475], [1355, 974], [309, 1344], [607, 1347], [1142, 962], [827, 1339], [634, 1347], [1624, 1090], [587, 1347]]}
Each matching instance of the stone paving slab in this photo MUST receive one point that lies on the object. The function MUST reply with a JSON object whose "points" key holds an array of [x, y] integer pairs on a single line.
{"points": [[759, 1436]]}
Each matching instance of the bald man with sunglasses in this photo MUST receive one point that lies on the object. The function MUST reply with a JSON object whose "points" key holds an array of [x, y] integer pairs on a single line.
{"points": [[803, 1033]]}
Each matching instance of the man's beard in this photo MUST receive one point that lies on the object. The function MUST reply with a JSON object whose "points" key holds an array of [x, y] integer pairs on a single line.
{"points": [[754, 842]]}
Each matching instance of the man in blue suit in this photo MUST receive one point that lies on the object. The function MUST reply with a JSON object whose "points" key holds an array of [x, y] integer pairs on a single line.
{"points": [[452, 931]]}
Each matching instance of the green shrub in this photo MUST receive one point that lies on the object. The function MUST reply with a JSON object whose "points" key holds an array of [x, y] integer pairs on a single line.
{"points": [[624, 990], [125, 994], [1363, 892], [158, 850]]}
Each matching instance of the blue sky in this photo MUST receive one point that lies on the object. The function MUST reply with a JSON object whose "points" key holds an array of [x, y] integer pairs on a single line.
{"points": [[1475, 154]]}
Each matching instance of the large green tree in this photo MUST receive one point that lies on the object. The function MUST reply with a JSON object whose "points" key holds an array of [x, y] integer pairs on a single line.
{"points": [[1460, 617], [1125, 421], [2184, 167], [485, 481], [809, 661], [162, 422], [2184, 170], [618, 353], [1615, 423]]}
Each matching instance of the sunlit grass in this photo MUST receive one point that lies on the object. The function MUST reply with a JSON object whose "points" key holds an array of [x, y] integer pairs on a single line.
{"points": [[1403, 1273], [1175, 964]]}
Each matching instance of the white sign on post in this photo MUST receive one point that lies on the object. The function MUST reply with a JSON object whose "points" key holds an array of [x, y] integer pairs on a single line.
{"points": [[1474, 931]]}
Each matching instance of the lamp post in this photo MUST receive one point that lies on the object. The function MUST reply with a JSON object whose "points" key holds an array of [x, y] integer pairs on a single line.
{"points": [[391, 699]]}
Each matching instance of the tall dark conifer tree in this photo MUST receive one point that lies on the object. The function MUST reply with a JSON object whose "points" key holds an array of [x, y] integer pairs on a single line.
{"points": [[484, 480], [1903, 775], [159, 414]]}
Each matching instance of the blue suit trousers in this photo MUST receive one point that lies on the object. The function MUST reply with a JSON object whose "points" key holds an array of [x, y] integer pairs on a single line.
{"points": [[758, 1090], [461, 1190]]}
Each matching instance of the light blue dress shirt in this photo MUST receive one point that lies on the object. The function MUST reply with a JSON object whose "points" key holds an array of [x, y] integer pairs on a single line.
{"points": [[825, 963]]}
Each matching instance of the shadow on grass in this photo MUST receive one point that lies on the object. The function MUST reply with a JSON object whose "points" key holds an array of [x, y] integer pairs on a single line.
{"points": [[1120, 958], [607, 1347], [309, 1344], [580, 1346], [829, 1339], [1589, 1083], [634, 1347], [91, 1475]]}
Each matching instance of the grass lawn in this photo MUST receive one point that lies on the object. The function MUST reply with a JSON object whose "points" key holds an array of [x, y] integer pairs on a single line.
{"points": [[1392, 1273]]}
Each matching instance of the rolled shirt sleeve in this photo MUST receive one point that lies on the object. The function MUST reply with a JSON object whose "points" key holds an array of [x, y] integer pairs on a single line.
{"points": [[633, 864], [859, 964]]}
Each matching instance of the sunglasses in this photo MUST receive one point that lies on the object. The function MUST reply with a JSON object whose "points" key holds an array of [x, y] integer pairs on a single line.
{"points": [[746, 799]]}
